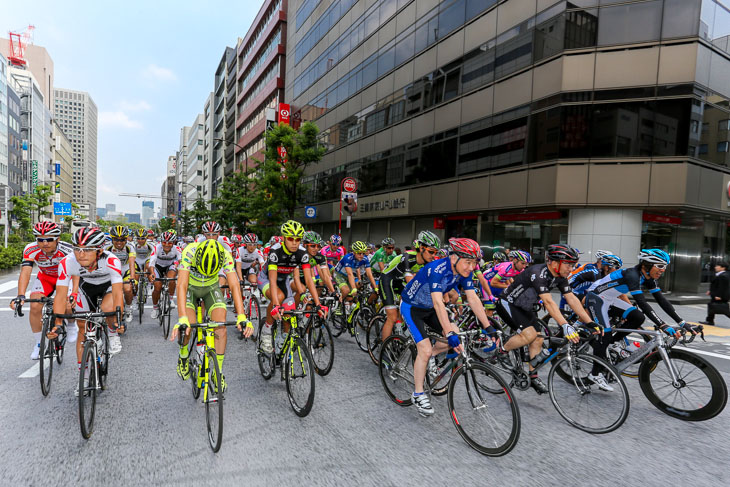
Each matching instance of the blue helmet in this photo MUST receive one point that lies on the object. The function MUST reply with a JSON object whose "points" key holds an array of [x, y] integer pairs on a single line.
{"points": [[654, 256], [612, 261], [336, 239]]}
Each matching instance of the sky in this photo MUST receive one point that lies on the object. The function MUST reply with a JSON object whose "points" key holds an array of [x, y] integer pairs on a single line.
{"points": [[149, 67]]}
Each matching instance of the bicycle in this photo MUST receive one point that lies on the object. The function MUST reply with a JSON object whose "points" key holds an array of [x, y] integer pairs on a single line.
{"points": [[357, 319], [481, 404], [319, 338], [295, 363], [165, 305], [251, 304], [205, 374], [141, 294], [94, 367], [575, 393], [51, 348]]}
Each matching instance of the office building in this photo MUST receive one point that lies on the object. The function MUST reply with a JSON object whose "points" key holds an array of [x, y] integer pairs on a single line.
{"points": [[76, 113], [63, 164], [4, 151], [111, 207], [16, 171], [133, 218], [148, 209], [522, 122], [192, 182], [101, 213], [40, 64]]}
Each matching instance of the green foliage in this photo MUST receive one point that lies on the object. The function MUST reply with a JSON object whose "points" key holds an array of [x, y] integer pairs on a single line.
{"points": [[165, 224], [65, 237], [31, 206], [11, 255], [276, 189], [21, 213], [191, 220]]}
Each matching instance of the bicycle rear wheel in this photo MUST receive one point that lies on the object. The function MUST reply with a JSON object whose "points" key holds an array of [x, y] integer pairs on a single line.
{"points": [[321, 346], [88, 375], [299, 376], [103, 353], [396, 369], [701, 392], [48, 348], [489, 423], [372, 337], [580, 401], [213, 398]]}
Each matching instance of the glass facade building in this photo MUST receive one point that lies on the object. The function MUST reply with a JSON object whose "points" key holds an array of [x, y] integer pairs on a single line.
{"points": [[600, 123]]}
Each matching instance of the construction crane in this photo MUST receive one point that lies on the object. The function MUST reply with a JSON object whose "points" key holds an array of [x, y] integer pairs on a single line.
{"points": [[18, 41]]}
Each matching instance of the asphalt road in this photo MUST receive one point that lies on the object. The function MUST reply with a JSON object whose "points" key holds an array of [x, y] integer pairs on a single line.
{"points": [[150, 430]]}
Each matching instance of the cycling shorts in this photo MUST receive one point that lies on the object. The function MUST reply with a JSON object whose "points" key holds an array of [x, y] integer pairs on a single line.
{"points": [[517, 318], [420, 321], [211, 295], [388, 289], [340, 279], [43, 284], [283, 282], [162, 271], [89, 294]]}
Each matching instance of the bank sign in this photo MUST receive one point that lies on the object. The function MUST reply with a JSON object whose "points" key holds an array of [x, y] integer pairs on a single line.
{"points": [[389, 204]]}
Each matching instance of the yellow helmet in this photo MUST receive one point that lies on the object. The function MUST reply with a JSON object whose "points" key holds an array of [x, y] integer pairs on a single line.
{"points": [[292, 228], [209, 257], [359, 247], [118, 231]]}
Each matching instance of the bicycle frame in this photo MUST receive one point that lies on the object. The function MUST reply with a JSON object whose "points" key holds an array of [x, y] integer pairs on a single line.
{"points": [[656, 342]]}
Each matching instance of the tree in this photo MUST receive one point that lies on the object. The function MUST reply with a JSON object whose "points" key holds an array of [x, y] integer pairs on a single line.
{"points": [[276, 189], [165, 224], [40, 198], [21, 212], [230, 205], [191, 220]]}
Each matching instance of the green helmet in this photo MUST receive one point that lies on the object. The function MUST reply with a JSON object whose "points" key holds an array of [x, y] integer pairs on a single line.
{"points": [[311, 237], [428, 239]]}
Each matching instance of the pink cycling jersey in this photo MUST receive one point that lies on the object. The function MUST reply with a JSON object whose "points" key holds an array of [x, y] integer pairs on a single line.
{"points": [[333, 256], [505, 271]]}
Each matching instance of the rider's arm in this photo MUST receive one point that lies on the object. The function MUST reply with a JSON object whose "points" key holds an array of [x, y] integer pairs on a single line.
{"points": [[273, 273], [232, 280], [369, 273], [24, 279], [476, 306], [182, 292], [238, 270], [324, 273], [574, 304], [60, 301], [666, 306], [440, 309], [310, 283], [117, 295], [350, 278], [553, 308], [485, 285], [497, 282]]}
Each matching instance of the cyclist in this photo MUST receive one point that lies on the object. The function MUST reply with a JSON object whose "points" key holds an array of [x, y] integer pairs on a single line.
{"points": [[580, 282], [100, 275], [143, 249], [345, 270], [318, 263], [250, 259], [607, 298], [47, 252], [423, 309], [198, 272], [275, 280], [518, 304], [334, 251], [593, 267], [505, 272], [400, 271], [125, 252], [163, 261], [383, 256]]}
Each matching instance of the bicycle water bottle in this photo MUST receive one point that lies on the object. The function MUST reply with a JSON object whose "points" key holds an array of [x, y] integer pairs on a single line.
{"points": [[540, 357]]}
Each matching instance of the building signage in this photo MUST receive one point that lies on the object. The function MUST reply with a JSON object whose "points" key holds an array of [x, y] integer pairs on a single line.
{"points": [[310, 212], [33, 174], [349, 202], [58, 168], [62, 209], [389, 204], [439, 223], [282, 154], [58, 187], [349, 185], [284, 113], [651, 217]]}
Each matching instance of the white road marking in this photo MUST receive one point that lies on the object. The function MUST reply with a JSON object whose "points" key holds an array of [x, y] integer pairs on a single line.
{"points": [[31, 372], [8, 286], [696, 306], [711, 354]]}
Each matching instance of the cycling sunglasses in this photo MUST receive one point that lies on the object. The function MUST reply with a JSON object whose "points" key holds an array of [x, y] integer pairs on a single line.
{"points": [[389, 248], [119, 239], [661, 267], [45, 240], [86, 250], [431, 251], [294, 239]]}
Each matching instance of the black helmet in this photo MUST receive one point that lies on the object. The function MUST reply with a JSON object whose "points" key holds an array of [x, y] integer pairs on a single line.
{"points": [[562, 252]]}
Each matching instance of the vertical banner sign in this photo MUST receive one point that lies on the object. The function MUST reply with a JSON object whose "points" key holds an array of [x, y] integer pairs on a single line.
{"points": [[58, 187], [58, 169], [284, 113], [282, 154], [33, 174]]}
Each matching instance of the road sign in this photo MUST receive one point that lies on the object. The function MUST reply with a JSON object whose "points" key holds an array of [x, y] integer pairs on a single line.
{"points": [[310, 212], [62, 209], [349, 185]]}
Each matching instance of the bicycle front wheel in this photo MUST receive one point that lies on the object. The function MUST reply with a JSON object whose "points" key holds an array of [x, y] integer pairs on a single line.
{"points": [[88, 378], [699, 394], [166, 317], [213, 398], [580, 401], [253, 311], [338, 320], [372, 337], [48, 348], [321, 346], [396, 369], [360, 324], [141, 298], [299, 375], [489, 423]]}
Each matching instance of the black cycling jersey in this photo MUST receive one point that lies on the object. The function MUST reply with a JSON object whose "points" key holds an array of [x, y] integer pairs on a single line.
{"points": [[284, 262], [530, 283], [319, 261]]}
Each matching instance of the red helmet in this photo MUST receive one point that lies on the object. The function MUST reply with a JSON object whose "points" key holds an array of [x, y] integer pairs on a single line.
{"points": [[89, 237], [49, 229], [466, 248], [168, 237], [250, 238], [237, 239], [211, 227]]}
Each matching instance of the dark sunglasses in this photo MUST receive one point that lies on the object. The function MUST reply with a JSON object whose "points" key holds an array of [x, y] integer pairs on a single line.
{"points": [[294, 239], [45, 240], [389, 248], [121, 239]]}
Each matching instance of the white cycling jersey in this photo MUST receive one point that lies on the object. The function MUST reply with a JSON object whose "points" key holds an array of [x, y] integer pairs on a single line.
{"points": [[143, 253], [165, 259], [248, 259], [108, 270]]}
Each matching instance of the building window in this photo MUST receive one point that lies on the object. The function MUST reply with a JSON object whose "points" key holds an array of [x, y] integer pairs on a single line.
{"points": [[722, 146], [723, 125]]}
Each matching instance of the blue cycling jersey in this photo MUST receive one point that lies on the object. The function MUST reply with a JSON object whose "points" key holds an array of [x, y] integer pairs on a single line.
{"points": [[349, 261], [435, 277]]}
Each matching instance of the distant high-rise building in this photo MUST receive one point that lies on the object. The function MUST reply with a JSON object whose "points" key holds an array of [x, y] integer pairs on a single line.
{"points": [[148, 210], [111, 207], [133, 217], [76, 113], [101, 212]]}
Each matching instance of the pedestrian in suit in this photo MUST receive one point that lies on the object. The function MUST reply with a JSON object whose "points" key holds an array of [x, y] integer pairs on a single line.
{"points": [[719, 294]]}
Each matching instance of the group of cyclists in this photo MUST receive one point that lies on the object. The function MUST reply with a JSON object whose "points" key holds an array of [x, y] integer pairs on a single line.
{"points": [[100, 271]]}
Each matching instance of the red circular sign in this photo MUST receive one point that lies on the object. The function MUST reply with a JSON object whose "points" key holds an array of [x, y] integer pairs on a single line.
{"points": [[349, 185]]}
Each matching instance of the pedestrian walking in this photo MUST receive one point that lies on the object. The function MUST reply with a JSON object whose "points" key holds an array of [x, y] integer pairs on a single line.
{"points": [[719, 294]]}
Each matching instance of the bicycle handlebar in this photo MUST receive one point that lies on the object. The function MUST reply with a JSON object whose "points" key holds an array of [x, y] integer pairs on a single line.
{"points": [[19, 303], [89, 315]]}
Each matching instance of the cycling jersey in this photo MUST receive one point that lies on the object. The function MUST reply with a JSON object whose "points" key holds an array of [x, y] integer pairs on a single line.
{"points": [[143, 253], [196, 278], [47, 264], [333, 256], [248, 259], [436, 276], [318, 260], [529, 284], [284, 262], [166, 259], [381, 256], [503, 272], [581, 281], [108, 270], [630, 281], [589, 266], [125, 255], [350, 261]]}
